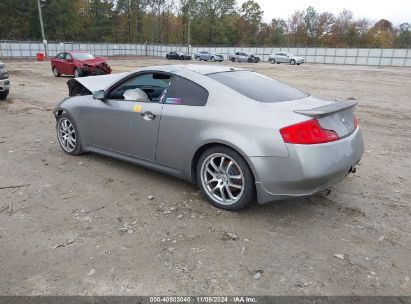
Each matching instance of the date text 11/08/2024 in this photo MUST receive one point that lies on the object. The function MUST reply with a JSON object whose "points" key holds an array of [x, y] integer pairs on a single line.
{"points": [[203, 299]]}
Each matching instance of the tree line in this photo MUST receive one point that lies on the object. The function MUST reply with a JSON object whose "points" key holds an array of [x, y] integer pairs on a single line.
{"points": [[210, 22]]}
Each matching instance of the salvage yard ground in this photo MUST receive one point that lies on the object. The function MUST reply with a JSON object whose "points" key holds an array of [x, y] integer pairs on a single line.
{"points": [[91, 225]]}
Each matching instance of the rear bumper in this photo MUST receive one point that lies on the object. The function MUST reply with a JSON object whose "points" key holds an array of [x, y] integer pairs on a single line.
{"points": [[4, 85], [309, 168]]}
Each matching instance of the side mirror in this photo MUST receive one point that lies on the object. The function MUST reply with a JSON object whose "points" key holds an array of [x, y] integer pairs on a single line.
{"points": [[100, 95]]}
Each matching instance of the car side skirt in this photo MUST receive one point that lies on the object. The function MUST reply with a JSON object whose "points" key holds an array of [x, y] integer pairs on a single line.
{"points": [[140, 162]]}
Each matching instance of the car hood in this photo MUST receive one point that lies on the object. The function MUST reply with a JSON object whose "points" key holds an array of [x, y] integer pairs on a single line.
{"points": [[96, 83], [94, 61]]}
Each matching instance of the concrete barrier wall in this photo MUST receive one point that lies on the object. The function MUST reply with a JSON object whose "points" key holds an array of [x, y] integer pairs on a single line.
{"points": [[355, 56]]}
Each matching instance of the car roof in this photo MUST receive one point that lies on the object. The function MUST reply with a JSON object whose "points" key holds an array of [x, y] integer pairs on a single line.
{"points": [[197, 68]]}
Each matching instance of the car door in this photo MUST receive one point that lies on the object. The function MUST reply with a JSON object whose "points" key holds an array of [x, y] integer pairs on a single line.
{"points": [[58, 62], [279, 57], [179, 129], [130, 127], [244, 57], [68, 64]]}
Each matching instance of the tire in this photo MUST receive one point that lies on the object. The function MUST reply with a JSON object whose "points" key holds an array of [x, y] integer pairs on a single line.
{"points": [[278, 62], [298, 63], [77, 73], [168, 58], [198, 58], [55, 72], [221, 167], [64, 133], [3, 94], [292, 62], [212, 59], [220, 61]]}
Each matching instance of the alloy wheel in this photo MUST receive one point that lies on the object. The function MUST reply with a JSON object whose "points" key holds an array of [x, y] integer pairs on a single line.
{"points": [[222, 179], [67, 135]]}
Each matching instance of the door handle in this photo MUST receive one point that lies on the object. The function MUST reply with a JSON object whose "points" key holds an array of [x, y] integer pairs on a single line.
{"points": [[148, 115]]}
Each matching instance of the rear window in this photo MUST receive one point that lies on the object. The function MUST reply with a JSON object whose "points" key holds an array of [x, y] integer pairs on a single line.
{"points": [[258, 87]]}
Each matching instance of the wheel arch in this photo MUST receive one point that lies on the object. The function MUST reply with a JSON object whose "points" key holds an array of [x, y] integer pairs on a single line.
{"points": [[200, 150]]}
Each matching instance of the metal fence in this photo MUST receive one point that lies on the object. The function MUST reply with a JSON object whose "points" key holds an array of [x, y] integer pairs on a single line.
{"points": [[355, 56]]}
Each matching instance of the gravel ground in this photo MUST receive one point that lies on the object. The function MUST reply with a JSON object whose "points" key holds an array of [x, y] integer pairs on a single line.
{"points": [[86, 226]]}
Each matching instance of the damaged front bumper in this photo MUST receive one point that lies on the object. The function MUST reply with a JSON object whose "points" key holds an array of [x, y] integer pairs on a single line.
{"points": [[4, 85]]}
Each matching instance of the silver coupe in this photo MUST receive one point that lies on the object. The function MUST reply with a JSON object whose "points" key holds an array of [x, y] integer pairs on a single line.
{"points": [[238, 134]]}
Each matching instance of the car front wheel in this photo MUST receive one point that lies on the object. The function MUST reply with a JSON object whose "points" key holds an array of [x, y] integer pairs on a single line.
{"points": [[225, 178], [77, 73], [67, 135]]}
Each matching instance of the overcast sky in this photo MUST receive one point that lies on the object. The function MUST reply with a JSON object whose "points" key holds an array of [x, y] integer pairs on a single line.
{"points": [[397, 11]]}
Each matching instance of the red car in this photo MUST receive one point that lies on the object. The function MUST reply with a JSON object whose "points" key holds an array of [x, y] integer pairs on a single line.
{"points": [[79, 64]]}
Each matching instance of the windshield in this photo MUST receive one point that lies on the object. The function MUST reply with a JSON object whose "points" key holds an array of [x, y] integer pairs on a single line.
{"points": [[82, 56], [257, 86]]}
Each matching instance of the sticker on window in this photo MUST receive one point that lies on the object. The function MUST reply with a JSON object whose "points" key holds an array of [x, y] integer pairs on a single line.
{"points": [[175, 100]]}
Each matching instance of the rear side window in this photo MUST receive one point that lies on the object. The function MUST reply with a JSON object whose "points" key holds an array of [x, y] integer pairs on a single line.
{"points": [[185, 92], [257, 86]]}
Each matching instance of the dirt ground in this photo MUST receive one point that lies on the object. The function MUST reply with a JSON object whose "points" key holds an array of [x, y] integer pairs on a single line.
{"points": [[85, 226]]}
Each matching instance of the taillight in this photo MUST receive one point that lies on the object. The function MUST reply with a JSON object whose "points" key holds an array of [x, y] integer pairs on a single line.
{"points": [[355, 122], [307, 133]]}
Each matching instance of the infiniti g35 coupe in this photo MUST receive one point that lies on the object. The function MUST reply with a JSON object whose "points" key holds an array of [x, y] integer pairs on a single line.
{"points": [[238, 134]]}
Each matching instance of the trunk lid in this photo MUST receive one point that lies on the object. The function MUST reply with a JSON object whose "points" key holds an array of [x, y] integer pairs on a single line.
{"points": [[337, 116]]}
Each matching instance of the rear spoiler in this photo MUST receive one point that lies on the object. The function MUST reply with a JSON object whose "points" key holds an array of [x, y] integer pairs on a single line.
{"points": [[328, 109]]}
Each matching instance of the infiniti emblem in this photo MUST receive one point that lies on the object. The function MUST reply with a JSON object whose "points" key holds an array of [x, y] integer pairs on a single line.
{"points": [[344, 119]]}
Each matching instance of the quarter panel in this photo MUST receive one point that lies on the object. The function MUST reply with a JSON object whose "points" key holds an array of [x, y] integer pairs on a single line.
{"points": [[184, 129]]}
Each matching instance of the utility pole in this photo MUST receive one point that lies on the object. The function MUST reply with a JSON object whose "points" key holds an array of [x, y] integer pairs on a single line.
{"points": [[42, 27], [189, 27]]}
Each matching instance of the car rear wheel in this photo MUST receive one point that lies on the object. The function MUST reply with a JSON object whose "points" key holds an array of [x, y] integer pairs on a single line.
{"points": [[225, 178], [198, 58], [3, 94], [272, 60], [292, 62], [56, 72], [77, 73], [67, 135]]}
